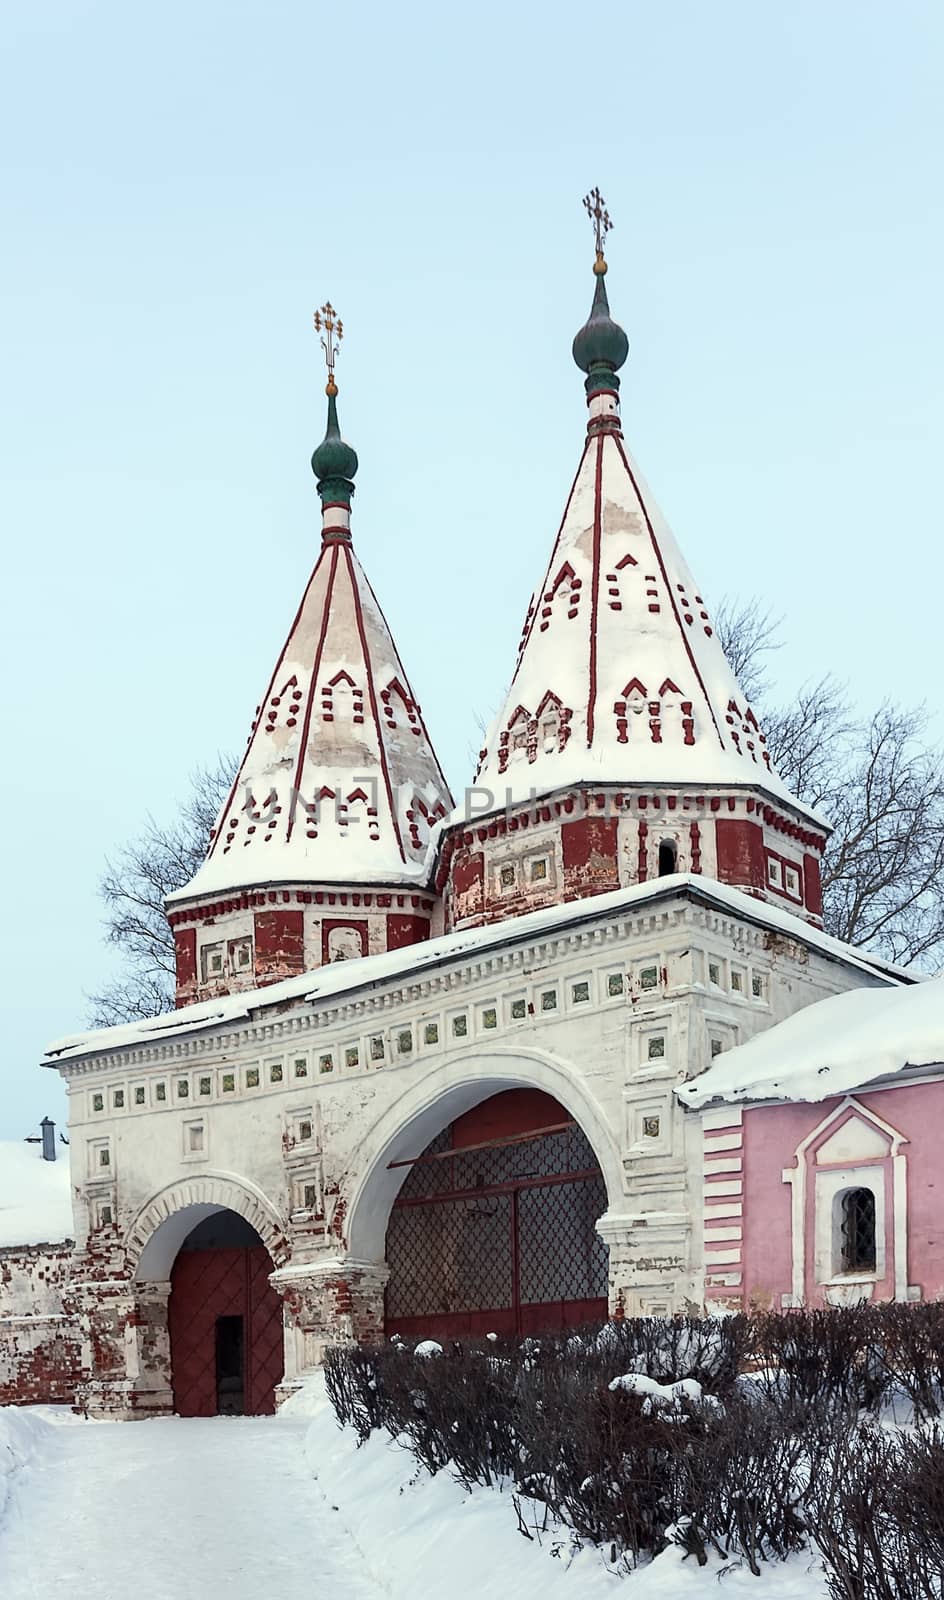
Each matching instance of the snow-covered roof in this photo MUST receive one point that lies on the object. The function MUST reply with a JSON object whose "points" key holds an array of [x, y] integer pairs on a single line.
{"points": [[343, 977], [339, 782], [831, 1047], [621, 677], [35, 1196]]}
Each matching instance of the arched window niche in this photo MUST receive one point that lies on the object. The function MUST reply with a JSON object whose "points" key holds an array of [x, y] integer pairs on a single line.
{"points": [[854, 1231]]}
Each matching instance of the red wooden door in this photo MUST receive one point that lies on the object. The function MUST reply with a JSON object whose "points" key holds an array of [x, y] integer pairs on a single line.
{"points": [[205, 1286]]}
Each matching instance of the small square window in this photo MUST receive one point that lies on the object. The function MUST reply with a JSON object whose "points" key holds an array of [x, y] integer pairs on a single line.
{"points": [[326, 1063], [650, 1127], [716, 1048], [757, 986], [206, 1086], [183, 1088], [195, 1136], [714, 973], [649, 978], [98, 1102], [160, 1091], [539, 869], [506, 877], [304, 1129], [404, 1041], [774, 872], [614, 984], [377, 1047], [352, 1056], [791, 880], [580, 993], [104, 1158], [105, 1215], [211, 961], [310, 1196], [252, 1077], [229, 1082], [657, 1047], [119, 1099], [431, 1033], [139, 1095], [519, 1010], [549, 1000], [301, 1068], [460, 1027], [275, 1072], [737, 982]]}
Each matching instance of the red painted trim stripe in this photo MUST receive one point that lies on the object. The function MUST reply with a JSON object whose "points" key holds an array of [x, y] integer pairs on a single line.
{"points": [[312, 683], [668, 589], [266, 698], [550, 567], [595, 588], [372, 690]]}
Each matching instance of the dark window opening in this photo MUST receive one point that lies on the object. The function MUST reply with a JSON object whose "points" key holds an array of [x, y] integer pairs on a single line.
{"points": [[668, 857], [230, 1380], [858, 1231]]}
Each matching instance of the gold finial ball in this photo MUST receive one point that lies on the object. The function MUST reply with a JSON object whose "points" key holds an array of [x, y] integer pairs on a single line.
{"points": [[331, 387], [599, 267]]}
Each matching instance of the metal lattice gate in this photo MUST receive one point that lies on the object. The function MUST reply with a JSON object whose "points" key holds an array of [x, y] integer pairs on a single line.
{"points": [[498, 1238]]}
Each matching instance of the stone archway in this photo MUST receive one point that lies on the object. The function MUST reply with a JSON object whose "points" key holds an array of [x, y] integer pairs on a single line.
{"points": [[419, 1114], [202, 1253]]}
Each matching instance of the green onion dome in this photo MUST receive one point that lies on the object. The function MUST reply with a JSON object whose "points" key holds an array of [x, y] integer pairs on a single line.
{"points": [[333, 460], [601, 346]]}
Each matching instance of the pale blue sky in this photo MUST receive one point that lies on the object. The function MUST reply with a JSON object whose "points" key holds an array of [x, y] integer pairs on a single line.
{"points": [[181, 185]]}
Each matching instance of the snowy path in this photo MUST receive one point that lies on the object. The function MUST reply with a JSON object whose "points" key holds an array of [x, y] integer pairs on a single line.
{"points": [[222, 1509]]}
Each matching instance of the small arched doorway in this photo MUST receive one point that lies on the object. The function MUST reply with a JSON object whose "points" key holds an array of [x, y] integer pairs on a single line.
{"points": [[224, 1320], [493, 1229]]}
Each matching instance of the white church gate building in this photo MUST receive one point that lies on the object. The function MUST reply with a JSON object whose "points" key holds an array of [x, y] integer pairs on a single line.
{"points": [[422, 1075]]}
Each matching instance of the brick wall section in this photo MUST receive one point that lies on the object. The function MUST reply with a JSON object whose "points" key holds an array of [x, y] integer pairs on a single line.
{"points": [[185, 955], [280, 945], [468, 885], [39, 1340], [741, 858], [588, 845], [403, 930], [813, 885]]}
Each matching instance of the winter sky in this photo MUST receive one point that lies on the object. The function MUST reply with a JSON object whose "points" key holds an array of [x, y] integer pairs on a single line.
{"points": [[181, 186]]}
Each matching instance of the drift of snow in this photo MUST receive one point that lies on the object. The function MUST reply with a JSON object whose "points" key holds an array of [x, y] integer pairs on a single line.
{"points": [[35, 1197], [830, 1047], [421, 1536], [428, 1347]]}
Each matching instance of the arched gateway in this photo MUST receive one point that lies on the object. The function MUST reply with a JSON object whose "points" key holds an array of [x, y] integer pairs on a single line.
{"points": [[494, 1227], [213, 1242]]}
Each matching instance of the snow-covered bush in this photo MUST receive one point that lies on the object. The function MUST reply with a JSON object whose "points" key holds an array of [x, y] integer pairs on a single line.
{"points": [[750, 1437]]}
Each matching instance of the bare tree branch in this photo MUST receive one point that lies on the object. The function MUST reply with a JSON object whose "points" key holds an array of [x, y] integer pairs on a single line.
{"points": [[134, 886]]}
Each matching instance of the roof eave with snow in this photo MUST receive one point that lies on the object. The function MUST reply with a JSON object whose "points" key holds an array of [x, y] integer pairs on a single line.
{"points": [[368, 972]]}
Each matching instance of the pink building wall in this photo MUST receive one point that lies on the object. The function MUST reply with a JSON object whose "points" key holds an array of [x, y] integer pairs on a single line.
{"points": [[768, 1241]]}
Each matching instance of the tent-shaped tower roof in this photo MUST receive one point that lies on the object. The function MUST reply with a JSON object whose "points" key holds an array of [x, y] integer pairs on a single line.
{"points": [[339, 782]]}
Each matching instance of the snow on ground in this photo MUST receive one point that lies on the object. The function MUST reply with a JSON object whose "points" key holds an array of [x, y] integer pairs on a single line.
{"points": [[827, 1048], [289, 1506], [216, 1509], [35, 1196]]}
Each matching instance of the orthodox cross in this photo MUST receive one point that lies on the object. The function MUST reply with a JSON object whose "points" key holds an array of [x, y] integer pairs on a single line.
{"points": [[331, 328], [595, 207]]}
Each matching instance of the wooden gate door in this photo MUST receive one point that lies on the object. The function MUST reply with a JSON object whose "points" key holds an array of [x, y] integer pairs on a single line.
{"points": [[210, 1285]]}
